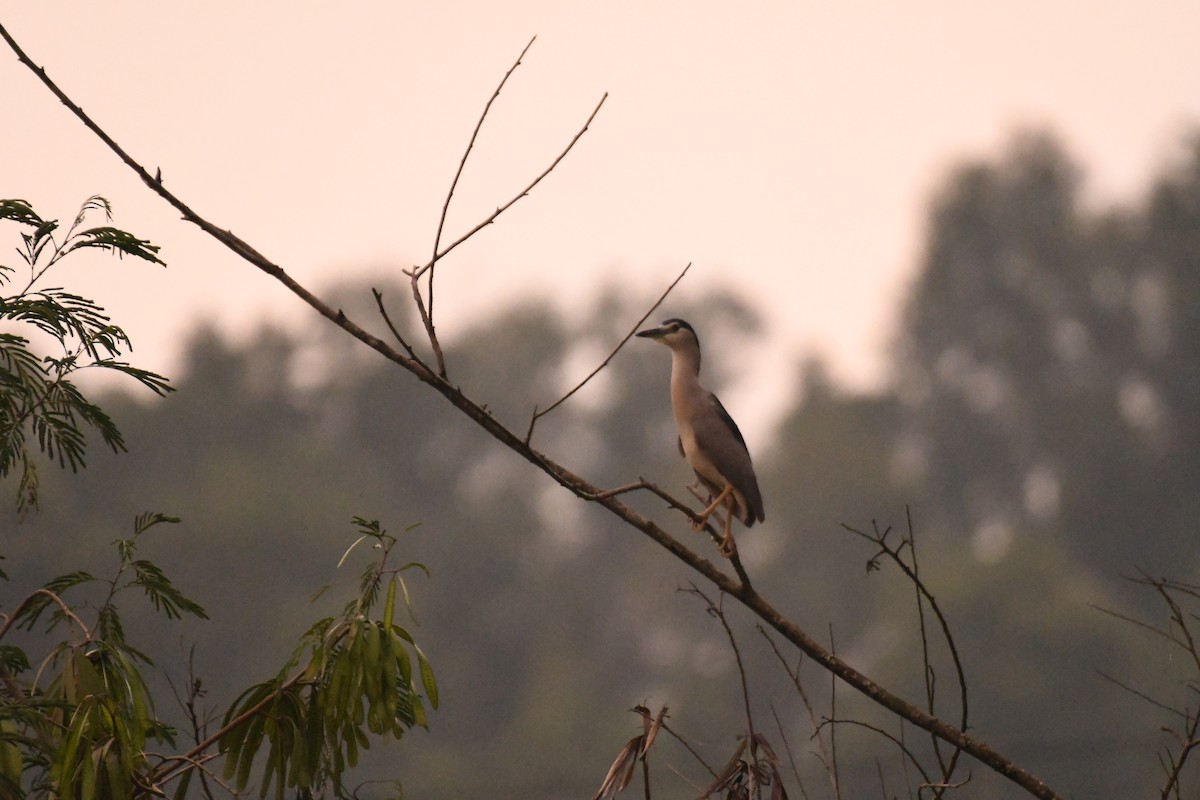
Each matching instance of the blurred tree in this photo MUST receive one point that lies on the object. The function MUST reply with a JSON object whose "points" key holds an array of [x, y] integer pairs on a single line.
{"points": [[546, 620], [1033, 363]]}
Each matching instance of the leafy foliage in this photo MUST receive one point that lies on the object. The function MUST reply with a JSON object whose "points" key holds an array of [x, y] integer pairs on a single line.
{"points": [[83, 724], [357, 678], [80, 726], [79, 721], [37, 397]]}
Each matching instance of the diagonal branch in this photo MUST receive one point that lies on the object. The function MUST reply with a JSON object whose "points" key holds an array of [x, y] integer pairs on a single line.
{"points": [[742, 592], [539, 414]]}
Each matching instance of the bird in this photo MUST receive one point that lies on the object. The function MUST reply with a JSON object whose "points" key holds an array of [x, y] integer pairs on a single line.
{"points": [[709, 439]]}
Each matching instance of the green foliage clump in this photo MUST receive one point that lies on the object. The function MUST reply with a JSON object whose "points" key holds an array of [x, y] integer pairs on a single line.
{"points": [[80, 726], [37, 397], [351, 676], [79, 721]]}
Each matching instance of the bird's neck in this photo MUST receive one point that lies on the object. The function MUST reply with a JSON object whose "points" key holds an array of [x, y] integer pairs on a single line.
{"points": [[685, 376]]}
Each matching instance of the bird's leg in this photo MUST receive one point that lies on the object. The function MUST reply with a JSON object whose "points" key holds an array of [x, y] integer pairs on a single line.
{"points": [[706, 513], [728, 546]]}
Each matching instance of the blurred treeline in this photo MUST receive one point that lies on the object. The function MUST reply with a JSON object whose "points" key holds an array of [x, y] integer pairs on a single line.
{"points": [[1042, 424]]}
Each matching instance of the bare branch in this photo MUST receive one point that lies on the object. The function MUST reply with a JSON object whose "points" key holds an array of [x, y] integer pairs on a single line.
{"points": [[427, 321], [1133, 621], [787, 748], [523, 193], [378, 295], [718, 612], [794, 674], [672, 502], [837, 778], [687, 746], [426, 312], [437, 239], [895, 554], [539, 414], [415, 274], [734, 560], [901, 746]]}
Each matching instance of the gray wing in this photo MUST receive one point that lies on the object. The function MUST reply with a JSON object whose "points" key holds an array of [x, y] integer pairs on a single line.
{"points": [[719, 437]]}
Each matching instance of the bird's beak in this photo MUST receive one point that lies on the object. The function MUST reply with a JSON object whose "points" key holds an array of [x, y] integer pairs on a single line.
{"points": [[653, 333]]}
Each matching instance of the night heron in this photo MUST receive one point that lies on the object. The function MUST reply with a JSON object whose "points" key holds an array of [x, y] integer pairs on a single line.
{"points": [[708, 437]]}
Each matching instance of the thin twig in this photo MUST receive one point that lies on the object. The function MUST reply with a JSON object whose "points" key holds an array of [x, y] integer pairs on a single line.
{"points": [[895, 555], [427, 322], [672, 502], [1142, 695], [195, 691], [837, 778], [687, 746], [787, 748], [715, 610], [794, 674], [415, 274], [437, 239], [833, 722], [539, 414], [930, 682], [378, 295], [523, 193]]}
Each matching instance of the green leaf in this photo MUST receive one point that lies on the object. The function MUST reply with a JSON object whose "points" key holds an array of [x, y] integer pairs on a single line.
{"points": [[162, 593], [19, 211], [389, 605], [427, 679], [116, 241]]}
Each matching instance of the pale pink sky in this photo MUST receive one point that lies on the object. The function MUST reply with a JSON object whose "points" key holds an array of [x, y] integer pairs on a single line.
{"points": [[788, 150]]}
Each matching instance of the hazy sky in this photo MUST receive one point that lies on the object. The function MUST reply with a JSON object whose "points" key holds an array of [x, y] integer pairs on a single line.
{"points": [[788, 150]]}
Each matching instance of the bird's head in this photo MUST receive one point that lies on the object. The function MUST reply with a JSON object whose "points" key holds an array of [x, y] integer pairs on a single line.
{"points": [[680, 337], [674, 333]]}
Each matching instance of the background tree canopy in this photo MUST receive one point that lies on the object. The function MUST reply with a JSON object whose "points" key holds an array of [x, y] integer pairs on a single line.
{"points": [[1042, 425]]}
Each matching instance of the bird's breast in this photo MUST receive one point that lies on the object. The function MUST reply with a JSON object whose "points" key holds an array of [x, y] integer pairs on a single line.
{"points": [[696, 458]]}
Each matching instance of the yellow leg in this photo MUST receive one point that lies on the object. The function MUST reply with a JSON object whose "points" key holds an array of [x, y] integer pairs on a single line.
{"points": [[728, 547], [706, 513]]}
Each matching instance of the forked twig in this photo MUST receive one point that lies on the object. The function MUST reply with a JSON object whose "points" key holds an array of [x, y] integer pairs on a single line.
{"points": [[539, 414], [1178, 633], [437, 239], [523, 193], [426, 313], [378, 295], [415, 274], [895, 554], [716, 611], [641, 483], [794, 674]]}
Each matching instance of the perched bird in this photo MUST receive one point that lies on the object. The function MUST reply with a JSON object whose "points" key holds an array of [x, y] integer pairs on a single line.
{"points": [[708, 437]]}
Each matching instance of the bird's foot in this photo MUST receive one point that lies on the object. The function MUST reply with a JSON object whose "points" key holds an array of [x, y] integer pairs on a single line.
{"points": [[728, 547]]}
